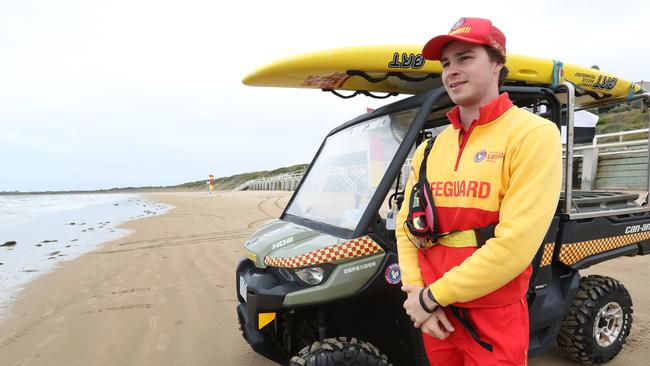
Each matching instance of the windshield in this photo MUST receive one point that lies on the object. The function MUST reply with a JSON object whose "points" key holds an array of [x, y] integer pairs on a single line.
{"points": [[348, 170]]}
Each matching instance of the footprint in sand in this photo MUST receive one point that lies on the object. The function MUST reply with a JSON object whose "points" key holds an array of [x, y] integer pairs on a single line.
{"points": [[153, 322], [162, 343]]}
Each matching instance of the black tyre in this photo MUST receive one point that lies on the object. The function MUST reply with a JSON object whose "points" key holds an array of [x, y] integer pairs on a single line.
{"points": [[340, 351], [599, 321]]}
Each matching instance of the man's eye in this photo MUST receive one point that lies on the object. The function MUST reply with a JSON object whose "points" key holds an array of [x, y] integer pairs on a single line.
{"points": [[445, 64]]}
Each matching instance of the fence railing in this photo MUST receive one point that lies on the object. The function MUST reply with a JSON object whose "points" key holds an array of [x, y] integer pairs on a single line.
{"points": [[620, 164], [282, 182]]}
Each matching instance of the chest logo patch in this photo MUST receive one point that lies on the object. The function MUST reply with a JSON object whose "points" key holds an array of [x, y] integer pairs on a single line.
{"points": [[480, 156], [490, 156]]}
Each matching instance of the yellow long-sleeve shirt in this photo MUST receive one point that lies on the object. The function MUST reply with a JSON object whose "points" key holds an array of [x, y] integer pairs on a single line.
{"points": [[505, 170]]}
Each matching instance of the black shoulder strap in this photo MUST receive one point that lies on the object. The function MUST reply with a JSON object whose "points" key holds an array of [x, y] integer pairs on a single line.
{"points": [[423, 164], [483, 234], [463, 318], [424, 183]]}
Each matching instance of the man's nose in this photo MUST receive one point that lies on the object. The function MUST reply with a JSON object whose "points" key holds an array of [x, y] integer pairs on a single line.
{"points": [[452, 69]]}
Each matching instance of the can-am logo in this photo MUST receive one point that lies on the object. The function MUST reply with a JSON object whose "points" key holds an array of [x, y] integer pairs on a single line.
{"points": [[360, 267], [282, 243], [637, 228]]}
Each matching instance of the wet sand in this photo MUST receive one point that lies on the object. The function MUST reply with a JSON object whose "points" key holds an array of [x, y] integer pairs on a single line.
{"points": [[165, 295]]}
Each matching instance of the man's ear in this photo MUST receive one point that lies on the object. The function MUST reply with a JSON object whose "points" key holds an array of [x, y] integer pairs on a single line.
{"points": [[498, 67]]}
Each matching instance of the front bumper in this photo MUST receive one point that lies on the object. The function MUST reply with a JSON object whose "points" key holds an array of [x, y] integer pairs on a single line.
{"points": [[264, 293], [261, 343]]}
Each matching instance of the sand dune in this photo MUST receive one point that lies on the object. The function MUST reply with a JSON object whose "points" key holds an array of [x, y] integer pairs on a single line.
{"points": [[165, 295]]}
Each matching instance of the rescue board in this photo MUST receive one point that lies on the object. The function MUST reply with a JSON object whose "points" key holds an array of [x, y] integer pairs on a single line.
{"points": [[402, 69]]}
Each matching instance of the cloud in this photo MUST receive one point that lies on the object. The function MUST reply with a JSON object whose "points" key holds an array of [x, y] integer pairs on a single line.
{"points": [[143, 92]]}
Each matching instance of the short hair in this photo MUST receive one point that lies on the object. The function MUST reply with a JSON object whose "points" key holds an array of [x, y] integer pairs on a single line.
{"points": [[498, 57]]}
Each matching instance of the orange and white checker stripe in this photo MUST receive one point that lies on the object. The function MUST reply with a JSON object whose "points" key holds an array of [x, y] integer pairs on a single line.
{"points": [[574, 252], [359, 247], [547, 255]]}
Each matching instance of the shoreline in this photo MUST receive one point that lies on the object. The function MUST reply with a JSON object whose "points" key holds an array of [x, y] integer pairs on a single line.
{"points": [[137, 190], [49, 232]]}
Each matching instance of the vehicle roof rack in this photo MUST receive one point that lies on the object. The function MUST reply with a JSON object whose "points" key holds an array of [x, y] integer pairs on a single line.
{"points": [[362, 92]]}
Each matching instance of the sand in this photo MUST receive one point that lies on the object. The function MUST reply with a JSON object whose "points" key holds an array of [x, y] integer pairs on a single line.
{"points": [[165, 295]]}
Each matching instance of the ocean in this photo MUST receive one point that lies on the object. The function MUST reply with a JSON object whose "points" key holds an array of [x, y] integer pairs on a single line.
{"points": [[50, 229]]}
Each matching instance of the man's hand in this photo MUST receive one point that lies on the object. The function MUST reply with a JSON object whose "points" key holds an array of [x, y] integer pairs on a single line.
{"points": [[438, 325], [412, 305]]}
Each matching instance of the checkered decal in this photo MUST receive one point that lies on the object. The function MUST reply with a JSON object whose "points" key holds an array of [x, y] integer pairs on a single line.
{"points": [[574, 252], [547, 255], [360, 247]]}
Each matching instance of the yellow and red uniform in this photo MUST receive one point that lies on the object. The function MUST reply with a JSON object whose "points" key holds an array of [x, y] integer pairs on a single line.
{"points": [[505, 170]]}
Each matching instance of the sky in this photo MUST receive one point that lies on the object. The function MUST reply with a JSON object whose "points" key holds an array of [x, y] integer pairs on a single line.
{"points": [[102, 94]]}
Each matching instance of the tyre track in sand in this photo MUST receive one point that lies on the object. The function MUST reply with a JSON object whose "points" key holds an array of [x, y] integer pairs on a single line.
{"points": [[192, 236], [269, 216], [207, 239], [203, 238]]}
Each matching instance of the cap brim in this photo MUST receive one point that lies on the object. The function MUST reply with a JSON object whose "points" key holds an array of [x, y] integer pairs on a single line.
{"points": [[433, 49]]}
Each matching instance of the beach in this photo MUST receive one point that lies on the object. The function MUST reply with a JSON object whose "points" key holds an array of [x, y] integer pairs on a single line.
{"points": [[38, 232], [165, 294]]}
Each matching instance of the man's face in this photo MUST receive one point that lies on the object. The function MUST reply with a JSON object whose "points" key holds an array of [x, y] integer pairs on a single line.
{"points": [[468, 74]]}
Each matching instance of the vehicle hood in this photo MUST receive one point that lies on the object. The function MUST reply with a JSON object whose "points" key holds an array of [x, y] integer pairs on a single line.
{"points": [[284, 239]]}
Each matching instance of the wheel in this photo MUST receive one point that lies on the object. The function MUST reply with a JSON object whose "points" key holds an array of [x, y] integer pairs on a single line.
{"points": [[599, 321], [339, 352]]}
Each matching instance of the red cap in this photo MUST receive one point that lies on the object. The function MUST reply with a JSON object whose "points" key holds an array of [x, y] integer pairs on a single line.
{"points": [[470, 30]]}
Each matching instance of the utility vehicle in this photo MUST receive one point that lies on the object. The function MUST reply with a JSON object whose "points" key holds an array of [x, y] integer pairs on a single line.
{"points": [[320, 285]]}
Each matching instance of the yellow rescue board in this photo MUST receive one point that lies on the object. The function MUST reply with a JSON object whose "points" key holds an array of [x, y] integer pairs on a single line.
{"points": [[402, 69]]}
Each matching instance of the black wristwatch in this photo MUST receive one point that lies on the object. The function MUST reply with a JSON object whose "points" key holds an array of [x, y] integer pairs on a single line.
{"points": [[431, 295], [423, 304]]}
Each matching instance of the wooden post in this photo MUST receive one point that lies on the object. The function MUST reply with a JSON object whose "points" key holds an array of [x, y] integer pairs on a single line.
{"points": [[589, 168]]}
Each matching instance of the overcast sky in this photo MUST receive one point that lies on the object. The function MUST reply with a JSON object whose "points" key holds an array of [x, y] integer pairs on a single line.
{"points": [[100, 94]]}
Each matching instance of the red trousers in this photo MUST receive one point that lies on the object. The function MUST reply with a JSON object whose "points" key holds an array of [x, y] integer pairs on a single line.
{"points": [[505, 328]]}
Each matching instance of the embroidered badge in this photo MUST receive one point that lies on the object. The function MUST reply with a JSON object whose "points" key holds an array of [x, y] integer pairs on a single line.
{"points": [[393, 274], [458, 24]]}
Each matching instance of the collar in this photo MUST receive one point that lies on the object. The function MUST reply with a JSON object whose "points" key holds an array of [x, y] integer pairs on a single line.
{"points": [[487, 113]]}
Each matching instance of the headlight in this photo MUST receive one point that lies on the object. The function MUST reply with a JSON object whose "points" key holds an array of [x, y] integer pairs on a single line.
{"points": [[311, 275]]}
